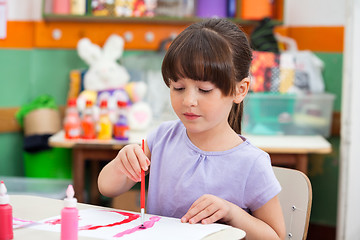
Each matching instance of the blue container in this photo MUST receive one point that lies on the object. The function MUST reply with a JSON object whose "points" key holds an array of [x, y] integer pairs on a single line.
{"points": [[268, 113]]}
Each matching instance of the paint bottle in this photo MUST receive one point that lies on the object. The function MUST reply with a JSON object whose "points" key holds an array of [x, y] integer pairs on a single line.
{"points": [[105, 124], [121, 126], [69, 216], [72, 125], [78, 7], [6, 219], [88, 122], [61, 6]]}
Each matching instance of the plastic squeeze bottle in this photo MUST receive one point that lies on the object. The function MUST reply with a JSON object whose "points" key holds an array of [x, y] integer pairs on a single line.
{"points": [[105, 124], [121, 126], [88, 122], [72, 125], [69, 216], [61, 6], [6, 219]]}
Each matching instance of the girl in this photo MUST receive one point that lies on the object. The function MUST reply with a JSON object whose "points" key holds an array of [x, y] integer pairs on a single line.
{"points": [[202, 169]]}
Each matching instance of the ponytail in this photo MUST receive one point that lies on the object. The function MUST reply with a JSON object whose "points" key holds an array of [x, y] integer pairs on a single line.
{"points": [[235, 117]]}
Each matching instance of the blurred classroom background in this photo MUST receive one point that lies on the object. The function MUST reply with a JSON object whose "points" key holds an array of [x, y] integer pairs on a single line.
{"points": [[38, 52]]}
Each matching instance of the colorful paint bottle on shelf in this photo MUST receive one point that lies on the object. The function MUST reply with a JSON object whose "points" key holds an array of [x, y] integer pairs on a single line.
{"points": [[6, 219], [105, 124], [78, 7], [69, 216], [61, 6], [88, 122], [72, 125], [121, 126]]}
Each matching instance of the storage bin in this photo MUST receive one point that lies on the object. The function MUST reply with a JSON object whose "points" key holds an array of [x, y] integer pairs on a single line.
{"points": [[51, 163], [44, 187], [288, 114]]}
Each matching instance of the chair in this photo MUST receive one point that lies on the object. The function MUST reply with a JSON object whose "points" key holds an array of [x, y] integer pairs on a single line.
{"points": [[295, 200]]}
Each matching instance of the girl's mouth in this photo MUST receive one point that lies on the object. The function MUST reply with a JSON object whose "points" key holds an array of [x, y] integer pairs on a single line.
{"points": [[191, 116]]}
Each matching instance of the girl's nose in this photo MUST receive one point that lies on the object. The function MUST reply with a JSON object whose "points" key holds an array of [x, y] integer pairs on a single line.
{"points": [[190, 99]]}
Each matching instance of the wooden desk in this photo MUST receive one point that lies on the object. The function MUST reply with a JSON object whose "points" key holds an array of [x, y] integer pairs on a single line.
{"points": [[34, 208], [289, 151]]}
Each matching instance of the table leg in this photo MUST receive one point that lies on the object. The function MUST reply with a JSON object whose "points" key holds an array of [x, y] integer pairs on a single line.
{"points": [[302, 163], [94, 192], [78, 173]]}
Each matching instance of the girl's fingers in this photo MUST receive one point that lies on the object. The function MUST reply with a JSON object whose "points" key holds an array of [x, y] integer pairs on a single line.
{"points": [[205, 213], [199, 205], [142, 159], [127, 166], [134, 162], [132, 159], [197, 202], [216, 216], [128, 173]]}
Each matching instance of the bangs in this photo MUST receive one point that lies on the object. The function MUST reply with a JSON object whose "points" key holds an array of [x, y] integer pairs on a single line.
{"points": [[200, 55]]}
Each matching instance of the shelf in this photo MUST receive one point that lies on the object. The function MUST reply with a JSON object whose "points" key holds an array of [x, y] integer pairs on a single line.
{"points": [[142, 33], [135, 20]]}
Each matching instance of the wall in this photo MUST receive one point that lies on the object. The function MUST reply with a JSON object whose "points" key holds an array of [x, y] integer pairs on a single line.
{"points": [[314, 13]]}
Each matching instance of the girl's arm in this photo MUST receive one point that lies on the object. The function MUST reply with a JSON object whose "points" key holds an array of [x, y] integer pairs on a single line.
{"points": [[121, 174], [267, 222]]}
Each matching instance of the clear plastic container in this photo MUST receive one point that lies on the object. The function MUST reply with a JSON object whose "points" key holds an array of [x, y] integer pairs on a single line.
{"points": [[288, 114]]}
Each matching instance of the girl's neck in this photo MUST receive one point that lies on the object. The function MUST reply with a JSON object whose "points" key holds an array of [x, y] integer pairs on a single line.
{"points": [[215, 140]]}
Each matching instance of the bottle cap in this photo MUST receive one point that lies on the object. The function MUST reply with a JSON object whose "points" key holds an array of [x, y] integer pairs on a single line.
{"points": [[72, 102], [70, 201], [122, 104], [88, 103], [4, 197], [103, 104]]}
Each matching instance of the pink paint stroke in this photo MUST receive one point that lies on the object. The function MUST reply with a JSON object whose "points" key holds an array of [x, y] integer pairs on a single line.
{"points": [[54, 221], [147, 224], [22, 220], [131, 217]]}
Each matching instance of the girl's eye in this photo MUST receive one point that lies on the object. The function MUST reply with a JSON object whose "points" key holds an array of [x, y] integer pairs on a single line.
{"points": [[205, 90], [178, 89]]}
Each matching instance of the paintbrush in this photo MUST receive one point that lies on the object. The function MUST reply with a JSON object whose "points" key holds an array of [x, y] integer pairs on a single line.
{"points": [[142, 197]]}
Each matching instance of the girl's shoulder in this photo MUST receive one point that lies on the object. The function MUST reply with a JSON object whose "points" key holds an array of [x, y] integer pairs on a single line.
{"points": [[166, 130], [168, 126], [252, 149]]}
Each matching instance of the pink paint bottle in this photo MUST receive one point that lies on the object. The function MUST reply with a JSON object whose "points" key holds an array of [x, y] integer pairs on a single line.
{"points": [[61, 6], [6, 219], [69, 216]]}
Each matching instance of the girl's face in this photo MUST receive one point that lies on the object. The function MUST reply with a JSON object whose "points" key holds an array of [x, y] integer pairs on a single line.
{"points": [[201, 106]]}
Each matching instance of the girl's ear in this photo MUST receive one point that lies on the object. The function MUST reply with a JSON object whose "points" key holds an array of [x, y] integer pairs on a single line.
{"points": [[242, 89]]}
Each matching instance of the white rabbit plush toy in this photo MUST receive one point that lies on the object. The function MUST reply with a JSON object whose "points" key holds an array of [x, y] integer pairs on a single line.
{"points": [[107, 79]]}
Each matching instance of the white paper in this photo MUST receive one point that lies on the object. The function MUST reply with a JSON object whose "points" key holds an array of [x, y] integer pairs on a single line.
{"points": [[104, 224], [3, 18], [20, 223]]}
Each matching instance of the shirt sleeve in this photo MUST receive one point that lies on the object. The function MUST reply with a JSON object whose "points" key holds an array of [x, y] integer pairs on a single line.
{"points": [[157, 133], [262, 184]]}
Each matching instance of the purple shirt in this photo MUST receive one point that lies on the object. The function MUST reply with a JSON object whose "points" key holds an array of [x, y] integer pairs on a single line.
{"points": [[180, 173]]}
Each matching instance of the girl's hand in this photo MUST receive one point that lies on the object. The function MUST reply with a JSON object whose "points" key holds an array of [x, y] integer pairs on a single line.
{"points": [[130, 160], [208, 209]]}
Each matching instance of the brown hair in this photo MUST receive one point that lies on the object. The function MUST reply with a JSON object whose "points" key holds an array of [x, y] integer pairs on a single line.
{"points": [[214, 50]]}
